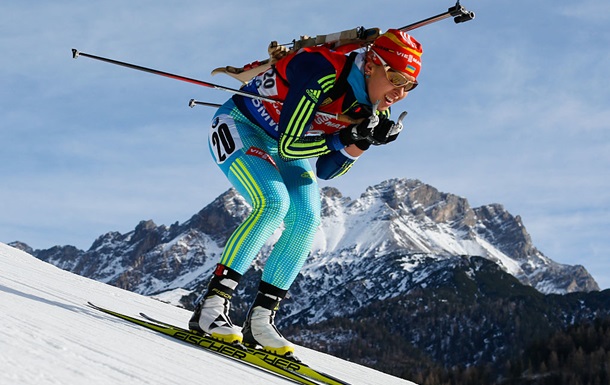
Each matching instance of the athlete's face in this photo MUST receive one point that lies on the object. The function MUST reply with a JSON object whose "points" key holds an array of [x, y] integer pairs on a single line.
{"points": [[380, 88]]}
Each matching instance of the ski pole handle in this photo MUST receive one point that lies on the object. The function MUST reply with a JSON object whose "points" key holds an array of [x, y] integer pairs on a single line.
{"points": [[397, 127], [374, 118]]}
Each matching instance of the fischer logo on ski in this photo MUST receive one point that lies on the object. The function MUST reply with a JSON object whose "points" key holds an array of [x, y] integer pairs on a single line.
{"points": [[287, 368], [211, 344]]}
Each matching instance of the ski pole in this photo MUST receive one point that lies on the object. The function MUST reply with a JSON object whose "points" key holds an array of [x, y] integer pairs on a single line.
{"points": [[193, 103], [76, 53], [339, 117], [458, 12]]}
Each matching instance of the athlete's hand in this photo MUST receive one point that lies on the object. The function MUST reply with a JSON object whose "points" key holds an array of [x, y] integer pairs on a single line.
{"points": [[386, 131], [381, 133], [357, 131], [357, 134]]}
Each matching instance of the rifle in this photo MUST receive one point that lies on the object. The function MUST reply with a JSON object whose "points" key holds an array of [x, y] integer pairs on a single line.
{"points": [[342, 41]]}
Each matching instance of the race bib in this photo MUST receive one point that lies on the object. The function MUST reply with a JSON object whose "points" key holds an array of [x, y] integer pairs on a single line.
{"points": [[224, 138]]}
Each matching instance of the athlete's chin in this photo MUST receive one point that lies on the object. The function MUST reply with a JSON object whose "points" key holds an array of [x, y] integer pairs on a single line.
{"points": [[384, 106]]}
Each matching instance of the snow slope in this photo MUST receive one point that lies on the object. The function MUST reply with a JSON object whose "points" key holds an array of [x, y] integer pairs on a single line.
{"points": [[49, 336]]}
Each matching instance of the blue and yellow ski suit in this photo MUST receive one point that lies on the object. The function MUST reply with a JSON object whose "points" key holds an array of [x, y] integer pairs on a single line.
{"points": [[263, 148]]}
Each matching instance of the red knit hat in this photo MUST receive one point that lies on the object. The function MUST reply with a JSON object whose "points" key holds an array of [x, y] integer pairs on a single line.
{"points": [[400, 50]]}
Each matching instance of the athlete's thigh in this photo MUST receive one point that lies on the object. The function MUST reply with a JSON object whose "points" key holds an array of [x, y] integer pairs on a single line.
{"points": [[301, 184], [239, 149]]}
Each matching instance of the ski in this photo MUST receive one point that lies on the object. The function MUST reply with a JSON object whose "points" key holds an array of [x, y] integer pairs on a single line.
{"points": [[280, 366], [303, 368]]}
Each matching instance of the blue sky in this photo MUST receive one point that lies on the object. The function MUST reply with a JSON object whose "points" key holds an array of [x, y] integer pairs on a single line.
{"points": [[512, 108]]}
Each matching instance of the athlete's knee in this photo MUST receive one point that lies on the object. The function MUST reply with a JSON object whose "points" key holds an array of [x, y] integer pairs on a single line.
{"points": [[272, 206], [305, 220]]}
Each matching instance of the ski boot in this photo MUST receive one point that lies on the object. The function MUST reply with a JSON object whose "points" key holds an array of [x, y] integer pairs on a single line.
{"points": [[211, 315], [259, 328]]}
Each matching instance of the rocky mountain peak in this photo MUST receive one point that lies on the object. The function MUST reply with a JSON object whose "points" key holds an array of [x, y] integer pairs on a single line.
{"points": [[221, 217], [508, 232], [408, 221], [414, 198]]}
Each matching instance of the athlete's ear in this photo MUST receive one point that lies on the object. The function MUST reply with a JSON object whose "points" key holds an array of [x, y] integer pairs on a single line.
{"points": [[368, 63], [367, 69]]}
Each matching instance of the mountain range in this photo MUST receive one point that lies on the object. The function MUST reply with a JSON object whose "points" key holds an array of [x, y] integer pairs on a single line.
{"points": [[398, 256]]}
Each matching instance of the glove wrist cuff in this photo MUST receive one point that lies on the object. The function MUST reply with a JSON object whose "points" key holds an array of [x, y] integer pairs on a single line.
{"points": [[362, 144]]}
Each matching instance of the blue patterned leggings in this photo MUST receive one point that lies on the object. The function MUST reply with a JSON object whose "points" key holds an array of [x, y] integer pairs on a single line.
{"points": [[278, 191]]}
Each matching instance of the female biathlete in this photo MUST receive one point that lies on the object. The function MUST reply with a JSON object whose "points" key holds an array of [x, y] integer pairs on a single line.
{"points": [[263, 148]]}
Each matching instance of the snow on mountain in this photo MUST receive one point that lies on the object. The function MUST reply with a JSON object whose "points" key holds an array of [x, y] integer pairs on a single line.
{"points": [[50, 336], [408, 216], [401, 232], [381, 245]]}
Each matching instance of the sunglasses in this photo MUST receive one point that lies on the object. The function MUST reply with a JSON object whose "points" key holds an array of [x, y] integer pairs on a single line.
{"points": [[398, 79]]}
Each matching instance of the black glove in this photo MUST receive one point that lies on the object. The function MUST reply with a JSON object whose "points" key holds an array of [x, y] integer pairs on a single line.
{"points": [[357, 134], [383, 133], [363, 144]]}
